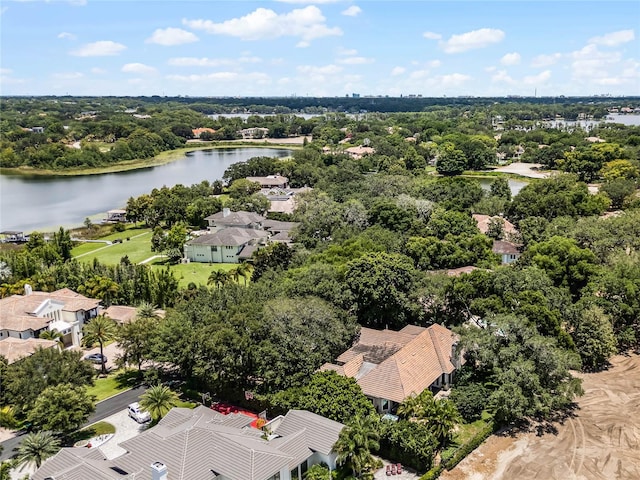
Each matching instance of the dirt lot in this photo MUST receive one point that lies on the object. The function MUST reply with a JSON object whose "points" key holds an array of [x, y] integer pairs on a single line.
{"points": [[600, 442]]}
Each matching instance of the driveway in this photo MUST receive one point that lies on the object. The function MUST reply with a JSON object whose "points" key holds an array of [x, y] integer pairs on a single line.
{"points": [[111, 351], [524, 169], [126, 428]]}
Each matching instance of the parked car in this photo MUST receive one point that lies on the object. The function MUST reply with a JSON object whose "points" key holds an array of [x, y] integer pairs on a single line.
{"points": [[138, 414], [96, 358]]}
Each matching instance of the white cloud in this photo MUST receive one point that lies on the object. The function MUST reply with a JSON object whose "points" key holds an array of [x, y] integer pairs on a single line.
{"points": [[171, 36], [432, 36], [210, 62], [98, 71], [314, 70], [307, 23], [67, 75], [434, 63], [614, 38], [511, 59], [67, 35], [502, 76], [419, 75], [590, 63], [398, 71], [355, 60], [454, 79], [472, 40], [545, 60], [490, 69], [5, 71], [103, 48], [347, 51], [352, 11], [538, 79], [138, 68], [255, 77]]}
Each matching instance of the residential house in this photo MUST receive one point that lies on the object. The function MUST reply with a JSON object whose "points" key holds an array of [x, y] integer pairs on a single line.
{"points": [[253, 132], [280, 230], [359, 151], [202, 444], [509, 252], [123, 314], [391, 366], [271, 181], [223, 246], [227, 219], [484, 221], [26, 316], [13, 349], [116, 215], [13, 236], [199, 131], [37, 129]]}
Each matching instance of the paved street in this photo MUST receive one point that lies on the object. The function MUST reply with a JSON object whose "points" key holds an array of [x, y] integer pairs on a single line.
{"points": [[104, 409]]}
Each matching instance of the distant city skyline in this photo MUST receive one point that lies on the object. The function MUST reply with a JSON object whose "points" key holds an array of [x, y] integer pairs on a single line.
{"points": [[319, 48]]}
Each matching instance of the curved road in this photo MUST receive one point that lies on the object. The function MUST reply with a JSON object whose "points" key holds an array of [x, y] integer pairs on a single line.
{"points": [[104, 409]]}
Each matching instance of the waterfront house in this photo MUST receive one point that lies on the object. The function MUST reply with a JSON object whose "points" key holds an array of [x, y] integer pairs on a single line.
{"points": [[240, 219], [271, 181], [223, 246]]}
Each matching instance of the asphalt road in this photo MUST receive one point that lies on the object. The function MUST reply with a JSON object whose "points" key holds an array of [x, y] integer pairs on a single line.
{"points": [[104, 409]]}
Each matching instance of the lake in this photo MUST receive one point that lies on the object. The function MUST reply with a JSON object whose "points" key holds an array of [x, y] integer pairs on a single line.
{"points": [[30, 203], [514, 185]]}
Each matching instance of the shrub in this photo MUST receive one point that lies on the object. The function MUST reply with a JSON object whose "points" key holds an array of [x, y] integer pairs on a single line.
{"points": [[470, 400], [410, 443]]}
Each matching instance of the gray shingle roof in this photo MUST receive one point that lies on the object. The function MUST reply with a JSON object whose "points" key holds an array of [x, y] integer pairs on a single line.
{"points": [[278, 226], [199, 444], [231, 237], [240, 218]]}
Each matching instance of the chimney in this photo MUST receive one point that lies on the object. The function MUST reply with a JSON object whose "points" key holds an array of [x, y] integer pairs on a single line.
{"points": [[159, 471], [226, 212], [27, 289]]}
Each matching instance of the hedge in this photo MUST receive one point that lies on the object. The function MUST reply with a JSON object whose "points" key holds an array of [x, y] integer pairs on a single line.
{"points": [[460, 453]]}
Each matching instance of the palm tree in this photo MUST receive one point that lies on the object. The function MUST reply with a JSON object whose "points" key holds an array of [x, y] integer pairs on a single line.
{"points": [[146, 310], [218, 278], [355, 443], [244, 271], [54, 335], [445, 418], [100, 330], [158, 401], [36, 448], [418, 407], [233, 274]]}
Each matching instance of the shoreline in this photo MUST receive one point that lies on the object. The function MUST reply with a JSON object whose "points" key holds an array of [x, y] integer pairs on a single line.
{"points": [[162, 158]]}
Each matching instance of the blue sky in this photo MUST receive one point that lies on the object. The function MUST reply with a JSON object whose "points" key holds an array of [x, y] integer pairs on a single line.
{"points": [[319, 48]]}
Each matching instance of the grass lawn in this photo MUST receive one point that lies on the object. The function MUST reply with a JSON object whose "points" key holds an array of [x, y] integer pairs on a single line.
{"points": [[100, 428], [137, 248], [112, 384], [197, 273], [183, 404]]}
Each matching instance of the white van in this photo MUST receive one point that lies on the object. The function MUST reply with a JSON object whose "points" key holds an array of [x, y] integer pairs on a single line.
{"points": [[138, 414]]}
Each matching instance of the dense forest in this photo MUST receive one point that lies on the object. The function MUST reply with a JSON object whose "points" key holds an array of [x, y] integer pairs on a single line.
{"points": [[376, 238]]}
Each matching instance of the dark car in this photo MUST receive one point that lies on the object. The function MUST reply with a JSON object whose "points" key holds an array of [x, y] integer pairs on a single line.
{"points": [[96, 358]]}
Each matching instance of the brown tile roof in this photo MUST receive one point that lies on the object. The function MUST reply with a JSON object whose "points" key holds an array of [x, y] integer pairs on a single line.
{"points": [[269, 180], [22, 323], [484, 220], [14, 349], [120, 313], [502, 247], [410, 360]]}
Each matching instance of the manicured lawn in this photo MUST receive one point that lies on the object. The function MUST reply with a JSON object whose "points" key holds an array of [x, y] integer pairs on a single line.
{"points": [[137, 248], [197, 273], [100, 428], [112, 384], [468, 430]]}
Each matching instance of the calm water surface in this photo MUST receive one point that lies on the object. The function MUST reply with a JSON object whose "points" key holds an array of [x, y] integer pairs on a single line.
{"points": [[33, 203]]}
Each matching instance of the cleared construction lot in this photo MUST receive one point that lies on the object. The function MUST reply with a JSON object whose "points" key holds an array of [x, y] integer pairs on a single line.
{"points": [[600, 441]]}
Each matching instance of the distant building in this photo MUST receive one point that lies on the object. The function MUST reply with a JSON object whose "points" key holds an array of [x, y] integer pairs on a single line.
{"points": [[199, 131], [116, 216], [271, 181], [254, 132], [37, 129], [509, 252]]}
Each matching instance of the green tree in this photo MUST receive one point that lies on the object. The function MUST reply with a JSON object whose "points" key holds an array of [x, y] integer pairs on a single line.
{"points": [[158, 401], [318, 471], [99, 330], [618, 190], [36, 448], [381, 284], [219, 278], [500, 188], [54, 335], [136, 340], [356, 442], [328, 394], [594, 338], [62, 408], [25, 380], [470, 400], [451, 161]]}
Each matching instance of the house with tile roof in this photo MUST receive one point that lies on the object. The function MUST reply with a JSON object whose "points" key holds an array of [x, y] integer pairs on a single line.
{"points": [[509, 252], [223, 246], [240, 219], [202, 444], [391, 366], [26, 316], [270, 181]]}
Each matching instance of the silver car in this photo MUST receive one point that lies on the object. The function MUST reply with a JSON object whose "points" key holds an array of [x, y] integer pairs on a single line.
{"points": [[138, 414]]}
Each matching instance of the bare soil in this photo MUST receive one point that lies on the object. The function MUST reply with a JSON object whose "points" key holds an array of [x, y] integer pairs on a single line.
{"points": [[600, 440]]}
